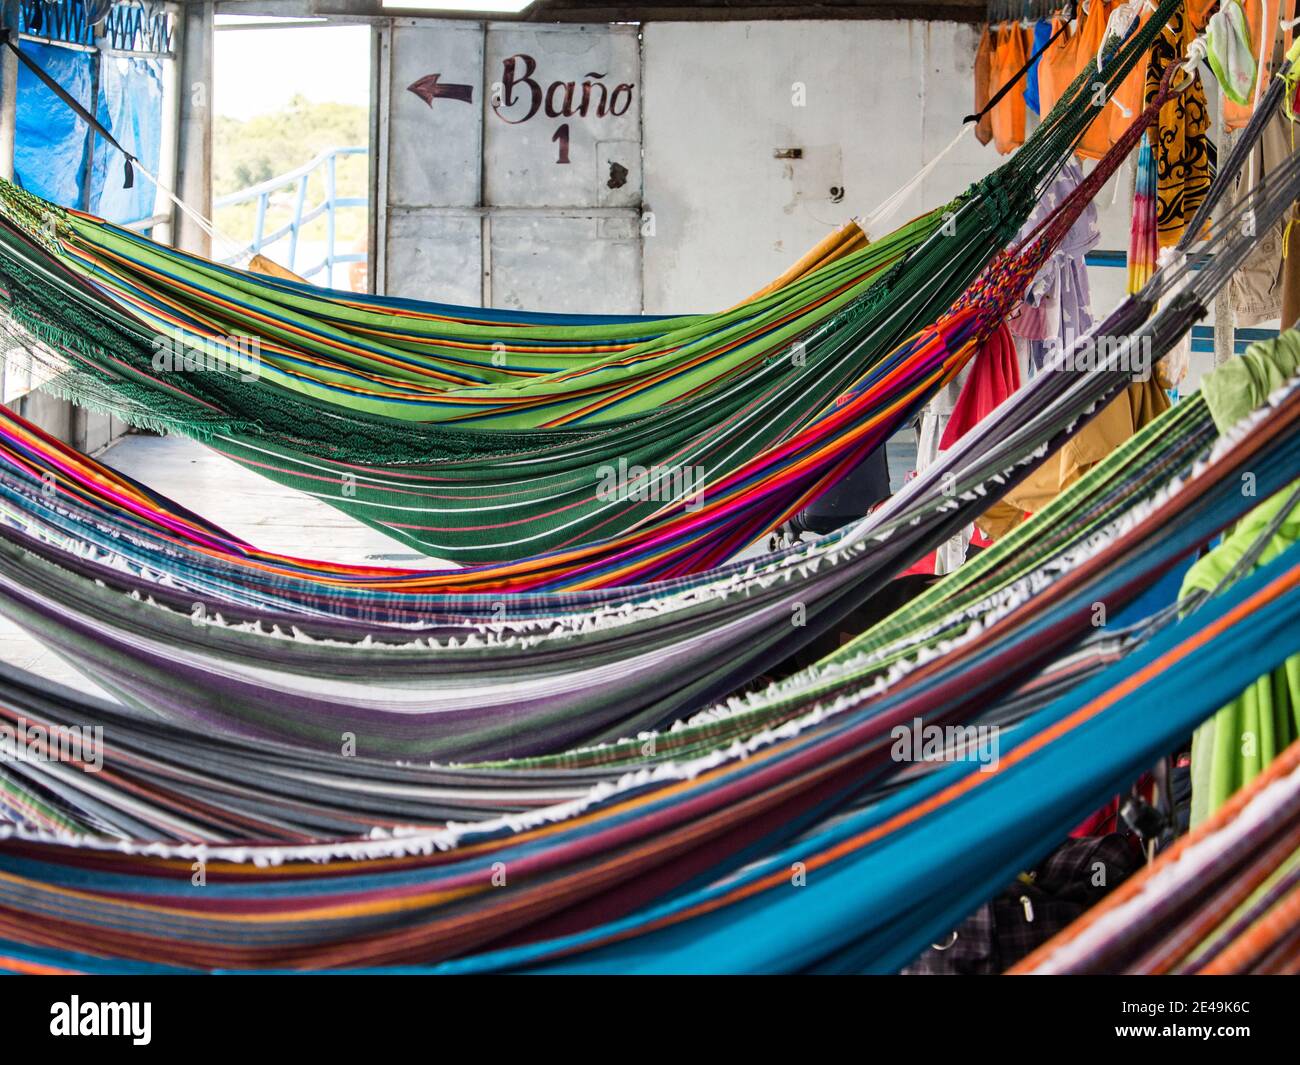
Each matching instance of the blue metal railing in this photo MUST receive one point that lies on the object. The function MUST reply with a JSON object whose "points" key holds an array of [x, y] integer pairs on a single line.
{"points": [[68, 21], [127, 26], [303, 215], [133, 27]]}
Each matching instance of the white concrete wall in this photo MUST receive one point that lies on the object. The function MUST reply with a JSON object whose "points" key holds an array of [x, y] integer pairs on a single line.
{"points": [[479, 209], [878, 101]]}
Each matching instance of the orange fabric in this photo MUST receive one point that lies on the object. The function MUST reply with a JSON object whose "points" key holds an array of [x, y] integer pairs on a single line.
{"points": [[1056, 68], [1009, 114], [260, 264], [1080, 56], [1096, 138], [1129, 93], [848, 238], [1261, 33], [983, 85]]}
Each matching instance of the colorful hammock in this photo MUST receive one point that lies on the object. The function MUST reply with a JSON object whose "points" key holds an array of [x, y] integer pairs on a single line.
{"points": [[533, 687], [760, 430], [410, 900], [170, 775], [475, 677], [578, 893], [1224, 899], [559, 670], [469, 672]]}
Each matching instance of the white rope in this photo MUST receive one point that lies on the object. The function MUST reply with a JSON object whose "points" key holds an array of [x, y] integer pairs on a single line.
{"points": [[1196, 51], [889, 206], [1118, 26], [197, 217]]}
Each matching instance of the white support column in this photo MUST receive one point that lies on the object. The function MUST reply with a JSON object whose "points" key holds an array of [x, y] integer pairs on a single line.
{"points": [[169, 137], [1225, 318], [194, 154], [8, 111]]}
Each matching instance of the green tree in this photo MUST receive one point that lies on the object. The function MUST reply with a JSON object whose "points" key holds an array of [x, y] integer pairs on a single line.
{"points": [[248, 152]]}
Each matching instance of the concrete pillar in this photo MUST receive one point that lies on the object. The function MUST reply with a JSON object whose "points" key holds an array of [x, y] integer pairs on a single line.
{"points": [[169, 138], [1225, 318], [194, 155], [8, 111]]}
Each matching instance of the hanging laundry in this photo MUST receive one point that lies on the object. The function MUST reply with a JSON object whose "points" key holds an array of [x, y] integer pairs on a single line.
{"points": [[1143, 254], [1009, 112], [1228, 50], [1182, 147], [1092, 30], [1057, 309], [1256, 289], [1262, 18], [1042, 33], [994, 376], [1058, 306], [1127, 100], [1056, 68], [1143, 247], [984, 86]]}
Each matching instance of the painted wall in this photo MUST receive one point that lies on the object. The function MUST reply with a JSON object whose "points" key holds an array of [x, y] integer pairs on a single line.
{"points": [[510, 165], [867, 103], [488, 202], [511, 158]]}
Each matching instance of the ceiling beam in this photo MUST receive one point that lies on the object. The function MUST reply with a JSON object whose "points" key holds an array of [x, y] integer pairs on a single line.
{"points": [[614, 11]]}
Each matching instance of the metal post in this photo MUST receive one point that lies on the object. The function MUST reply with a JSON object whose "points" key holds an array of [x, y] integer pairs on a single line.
{"points": [[330, 195], [1225, 318], [259, 228], [377, 165], [296, 227]]}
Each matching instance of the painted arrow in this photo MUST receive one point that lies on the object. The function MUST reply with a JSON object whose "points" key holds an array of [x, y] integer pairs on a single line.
{"points": [[429, 88]]}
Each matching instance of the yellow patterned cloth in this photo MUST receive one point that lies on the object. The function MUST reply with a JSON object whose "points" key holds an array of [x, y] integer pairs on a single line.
{"points": [[1182, 148]]}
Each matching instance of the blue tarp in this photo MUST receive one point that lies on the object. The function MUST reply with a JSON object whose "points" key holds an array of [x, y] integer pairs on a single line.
{"points": [[50, 146], [130, 106], [50, 141]]}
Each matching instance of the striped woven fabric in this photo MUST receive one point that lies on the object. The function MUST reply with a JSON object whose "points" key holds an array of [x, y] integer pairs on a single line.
{"points": [[580, 889], [1136, 472], [579, 668], [565, 668], [1143, 245], [347, 411], [1224, 899], [708, 635], [421, 362], [458, 689], [148, 779], [617, 848]]}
